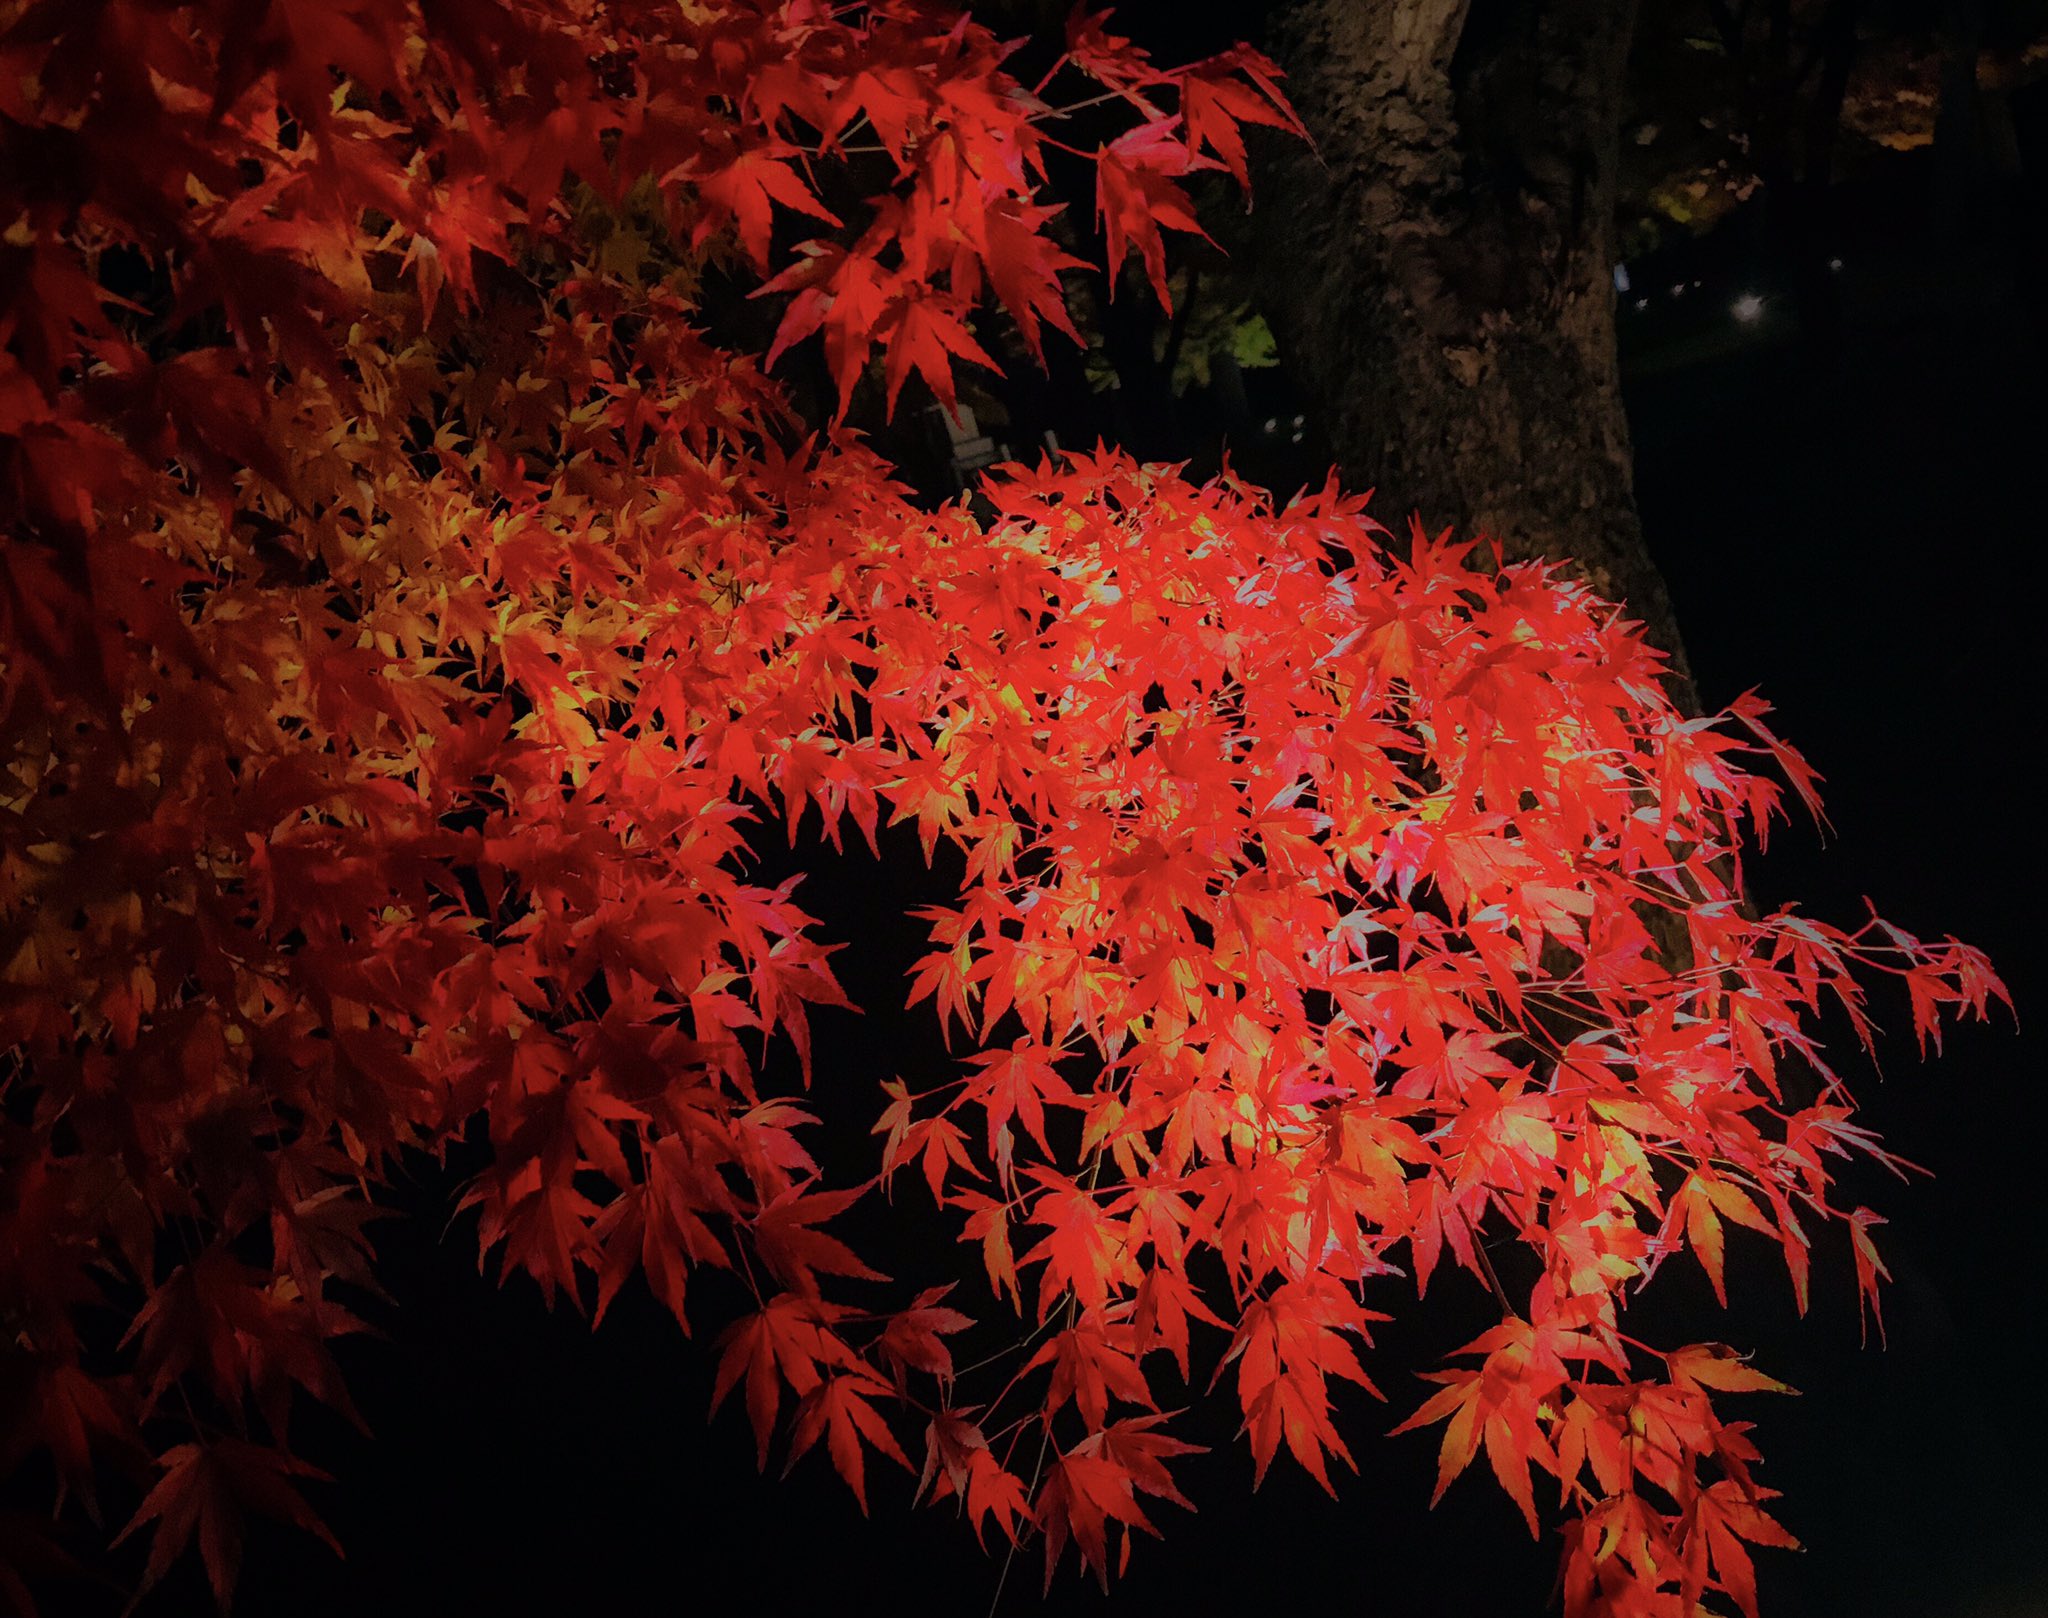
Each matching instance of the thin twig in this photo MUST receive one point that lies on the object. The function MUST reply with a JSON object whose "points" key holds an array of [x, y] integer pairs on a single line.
{"points": [[1030, 1489], [1045, 1431]]}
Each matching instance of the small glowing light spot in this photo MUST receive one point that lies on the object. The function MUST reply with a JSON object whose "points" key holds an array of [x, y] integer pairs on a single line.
{"points": [[1642, 303], [1679, 290], [1272, 424], [1748, 307], [1834, 264]]}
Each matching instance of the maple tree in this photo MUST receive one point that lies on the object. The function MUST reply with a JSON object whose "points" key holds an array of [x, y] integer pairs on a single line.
{"points": [[408, 597]]}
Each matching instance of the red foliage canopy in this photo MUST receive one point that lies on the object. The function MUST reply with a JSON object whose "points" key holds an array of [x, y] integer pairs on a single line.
{"points": [[404, 599]]}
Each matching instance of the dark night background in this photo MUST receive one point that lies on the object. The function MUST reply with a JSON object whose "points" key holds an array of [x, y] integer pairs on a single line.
{"points": [[1848, 513]]}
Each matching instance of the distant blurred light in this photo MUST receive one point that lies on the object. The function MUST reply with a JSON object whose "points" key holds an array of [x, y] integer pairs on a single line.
{"points": [[1834, 264], [1300, 420], [1748, 307], [1679, 290], [1621, 281], [1272, 424], [1642, 303]]}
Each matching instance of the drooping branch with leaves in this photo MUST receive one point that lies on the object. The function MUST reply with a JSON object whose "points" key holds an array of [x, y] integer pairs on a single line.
{"points": [[410, 590]]}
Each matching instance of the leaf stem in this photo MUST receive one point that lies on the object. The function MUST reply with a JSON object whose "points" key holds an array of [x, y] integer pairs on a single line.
{"points": [[1030, 1489]]}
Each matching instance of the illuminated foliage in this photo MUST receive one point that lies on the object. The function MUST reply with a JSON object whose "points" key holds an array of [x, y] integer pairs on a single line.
{"points": [[409, 592]]}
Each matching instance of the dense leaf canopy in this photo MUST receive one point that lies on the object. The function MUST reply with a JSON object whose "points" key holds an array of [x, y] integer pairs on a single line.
{"points": [[415, 580]]}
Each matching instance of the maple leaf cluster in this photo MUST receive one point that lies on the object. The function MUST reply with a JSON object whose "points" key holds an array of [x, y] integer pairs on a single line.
{"points": [[408, 597]]}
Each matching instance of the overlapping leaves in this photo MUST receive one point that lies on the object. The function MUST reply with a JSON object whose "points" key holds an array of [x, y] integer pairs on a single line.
{"points": [[405, 601]]}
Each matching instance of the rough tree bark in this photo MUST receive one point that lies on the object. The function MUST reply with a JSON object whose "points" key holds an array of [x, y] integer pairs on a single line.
{"points": [[1440, 273]]}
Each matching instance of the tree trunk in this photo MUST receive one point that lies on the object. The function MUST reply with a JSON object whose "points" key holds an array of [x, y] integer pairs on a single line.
{"points": [[1438, 271]]}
